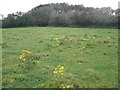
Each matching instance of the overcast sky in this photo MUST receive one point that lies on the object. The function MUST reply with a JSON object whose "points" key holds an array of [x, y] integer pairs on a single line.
{"points": [[10, 6]]}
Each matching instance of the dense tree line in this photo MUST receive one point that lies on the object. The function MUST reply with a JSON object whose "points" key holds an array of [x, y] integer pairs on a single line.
{"points": [[65, 15]]}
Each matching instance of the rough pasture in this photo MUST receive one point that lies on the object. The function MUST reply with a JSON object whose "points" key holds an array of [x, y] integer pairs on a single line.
{"points": [[89, 57]]}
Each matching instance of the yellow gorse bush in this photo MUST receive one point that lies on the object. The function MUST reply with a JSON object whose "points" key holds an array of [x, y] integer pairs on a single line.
{"points": [[25, 55], [59, 69], [59, 76], [28, 58]]}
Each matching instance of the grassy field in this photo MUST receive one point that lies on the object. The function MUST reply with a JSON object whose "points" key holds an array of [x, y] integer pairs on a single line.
{"points": [[89, 57]]}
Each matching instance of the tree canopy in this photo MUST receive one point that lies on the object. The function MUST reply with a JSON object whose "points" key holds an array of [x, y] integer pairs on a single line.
{"points": [[65, 15]]}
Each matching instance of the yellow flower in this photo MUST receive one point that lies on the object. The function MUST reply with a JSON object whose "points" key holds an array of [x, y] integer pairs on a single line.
{"points": [[20, 57], [55, 44], [29, 53], [24, 50], [62, 68], [63, 87], [55, 72], [55, 38], [62, 73], [68, 86]]}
